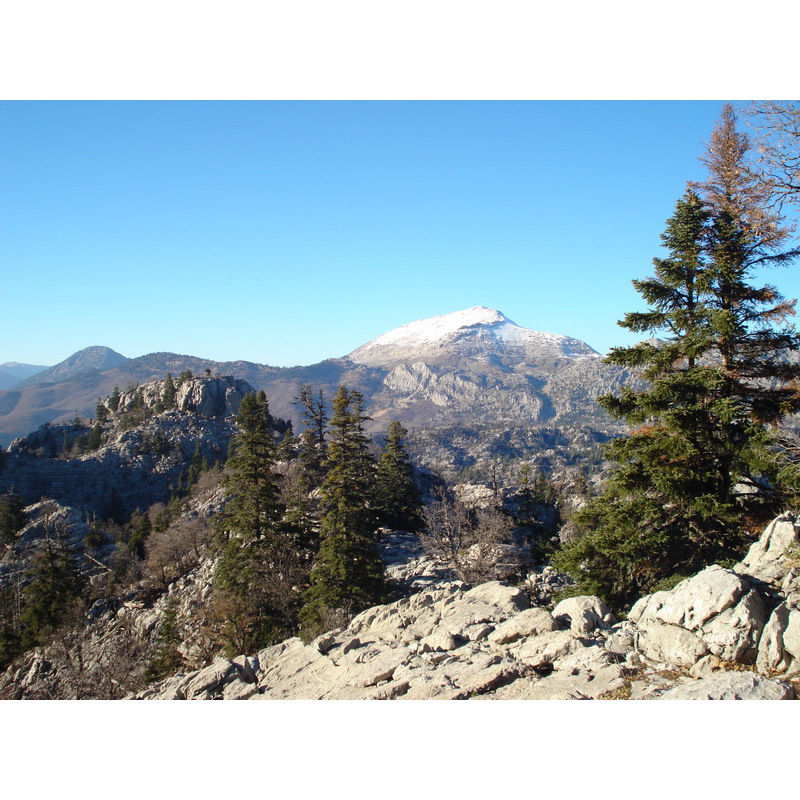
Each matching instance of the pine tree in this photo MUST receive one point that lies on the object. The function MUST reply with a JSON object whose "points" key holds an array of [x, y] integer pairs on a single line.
{"points": [[347, 576], [250, 579], [95, 437], [398, 500], [114, 398], [168, 395], [55, 586], [141, 527], [12, 516], [716, 382], [287, 449], [195, 466], [101, 412], [167, 659], [313, 446]]}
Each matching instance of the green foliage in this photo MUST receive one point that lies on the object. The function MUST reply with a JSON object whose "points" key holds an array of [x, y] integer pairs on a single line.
{"points": [[167, 659], [113, 400], [197, 465], [397, 497], [289, 445], [141, 527], [54, 587], [347, 575], [716, 382], [168, 395], [254, 573], [101, 412], [12, 516], [95, 439]]}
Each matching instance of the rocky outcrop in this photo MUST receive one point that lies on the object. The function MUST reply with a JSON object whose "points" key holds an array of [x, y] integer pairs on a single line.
{"points": [[777, 551], [208, 396], [715, 611], [719, 634], [448, 642], [106, 655], [711, 637], [144, 452], [56, 525]]}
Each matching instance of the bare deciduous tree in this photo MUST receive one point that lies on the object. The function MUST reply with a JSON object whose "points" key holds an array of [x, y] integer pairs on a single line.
{"points": [[474, 543], [776, 126]]}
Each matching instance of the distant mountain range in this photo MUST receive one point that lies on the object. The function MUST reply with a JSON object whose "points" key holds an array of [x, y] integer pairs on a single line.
{"points": [[12, 373], [470, 367]]}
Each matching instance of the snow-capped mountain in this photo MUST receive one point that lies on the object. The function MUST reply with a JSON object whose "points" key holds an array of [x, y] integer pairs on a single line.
{"points": [[475, 332]]}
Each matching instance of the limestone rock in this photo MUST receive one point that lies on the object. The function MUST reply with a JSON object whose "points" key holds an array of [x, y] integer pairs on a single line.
{"points": [[669, 644], [583, 614], [530, 622], [779, 648], [772, 556], [732, 685], [693, 601]]}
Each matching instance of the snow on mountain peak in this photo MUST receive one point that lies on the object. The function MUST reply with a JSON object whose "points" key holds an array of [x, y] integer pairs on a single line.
{"points": [[425, 331], [493, 329]]}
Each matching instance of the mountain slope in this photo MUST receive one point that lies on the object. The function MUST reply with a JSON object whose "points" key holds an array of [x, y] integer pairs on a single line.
{"points": [[90, 359], [474, 332], [12, 372], [472, 367]]}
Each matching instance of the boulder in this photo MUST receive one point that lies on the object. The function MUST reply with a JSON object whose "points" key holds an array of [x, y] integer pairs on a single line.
{"points": [[732, 685], [693, 601], [530, 622], [772, 556], [583, 615], [715, 611], [779, 648]]}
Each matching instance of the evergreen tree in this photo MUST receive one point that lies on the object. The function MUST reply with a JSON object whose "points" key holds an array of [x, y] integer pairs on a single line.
{"points": [[196, 466], [347, 576], [398, 499], [287, 449], [313, 446], [55, 584], [114, 398], [12, 516], [252, 543], [141, 527], [168, 395], [101, 412], [716, 382], [95, 437], [167, 659]]}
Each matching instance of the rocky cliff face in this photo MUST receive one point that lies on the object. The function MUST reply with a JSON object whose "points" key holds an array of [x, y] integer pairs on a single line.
{"points": [[143, 455]]}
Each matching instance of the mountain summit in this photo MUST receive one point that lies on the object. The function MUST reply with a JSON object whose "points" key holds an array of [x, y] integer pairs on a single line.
{"points": [[474, 332], [90, 359]]}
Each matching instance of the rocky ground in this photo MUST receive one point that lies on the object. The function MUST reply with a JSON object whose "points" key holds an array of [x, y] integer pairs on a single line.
{"points": [[721, 634]]}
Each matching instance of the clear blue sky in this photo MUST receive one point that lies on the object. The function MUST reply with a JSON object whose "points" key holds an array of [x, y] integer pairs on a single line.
{"points": [[289, 232]]}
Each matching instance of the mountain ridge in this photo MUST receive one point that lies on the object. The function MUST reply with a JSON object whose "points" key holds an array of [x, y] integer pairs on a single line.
{"points": [[480, 367], [464, 333]]}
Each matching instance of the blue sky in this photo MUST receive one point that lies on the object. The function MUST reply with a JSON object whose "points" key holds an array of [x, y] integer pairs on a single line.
{"points": [[289, 232]]}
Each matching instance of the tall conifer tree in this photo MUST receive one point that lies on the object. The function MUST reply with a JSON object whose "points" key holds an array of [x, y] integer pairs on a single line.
{"points": [[250, 530], [716, 383], [347, 576], [397, 496]]}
